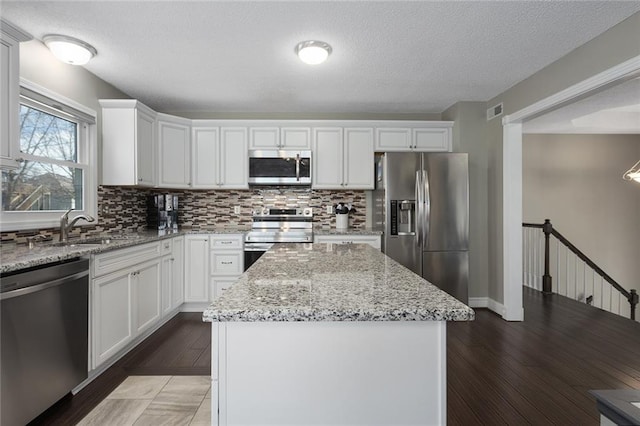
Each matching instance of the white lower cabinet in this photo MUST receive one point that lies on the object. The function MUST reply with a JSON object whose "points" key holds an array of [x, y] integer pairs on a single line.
{"points": [[196, 277], [145, 285], [177, 272], [226, 262], [372, 240], [172, 274], [112, 315], [131, 295]]}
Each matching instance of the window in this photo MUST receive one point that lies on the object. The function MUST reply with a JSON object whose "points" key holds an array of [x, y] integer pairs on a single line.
{"points": [[56, 171]]}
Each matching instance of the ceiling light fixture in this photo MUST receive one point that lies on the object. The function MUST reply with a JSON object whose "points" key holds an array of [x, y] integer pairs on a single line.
{"points": [[633, 173], [69, 49], [313, 52]]}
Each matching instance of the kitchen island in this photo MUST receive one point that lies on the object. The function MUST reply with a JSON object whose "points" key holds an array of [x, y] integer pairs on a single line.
{"points": [[333, 335]]}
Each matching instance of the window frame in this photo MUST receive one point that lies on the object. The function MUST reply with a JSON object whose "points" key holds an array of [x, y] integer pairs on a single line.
{"points": [[67, 109]]}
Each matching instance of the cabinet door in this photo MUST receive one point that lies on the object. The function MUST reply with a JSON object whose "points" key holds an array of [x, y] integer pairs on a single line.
{"points": [[205, 157], [145, 143], [295, 138], [234, 159], [111, 312], [9, 101], [264, 138], [327, 158], [196, 277], [358, 158], [432, 139], [146, 295], [393, 139], [166, 283], [177, 272], [174, 164]]}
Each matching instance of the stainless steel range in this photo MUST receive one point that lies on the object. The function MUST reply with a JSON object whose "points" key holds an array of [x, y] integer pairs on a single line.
{"points": [[272, 226]]}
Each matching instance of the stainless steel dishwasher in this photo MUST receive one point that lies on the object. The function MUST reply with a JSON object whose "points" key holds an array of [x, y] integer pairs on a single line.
{"points": [[44, 341]]}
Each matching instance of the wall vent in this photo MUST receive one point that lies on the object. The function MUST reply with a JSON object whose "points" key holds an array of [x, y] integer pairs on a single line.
{"points": [[494, 111]]}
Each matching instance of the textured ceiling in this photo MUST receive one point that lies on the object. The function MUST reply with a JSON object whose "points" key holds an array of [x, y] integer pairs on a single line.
{"points": [[388, 56]]}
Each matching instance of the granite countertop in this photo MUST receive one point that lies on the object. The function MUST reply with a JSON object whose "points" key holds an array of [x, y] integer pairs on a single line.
{"points": [[320, 230], [330, 282], [14, 257]]}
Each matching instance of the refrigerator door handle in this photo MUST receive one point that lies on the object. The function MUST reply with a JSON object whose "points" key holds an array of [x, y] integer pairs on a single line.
{"points": [[418, 209], [427, 209]]}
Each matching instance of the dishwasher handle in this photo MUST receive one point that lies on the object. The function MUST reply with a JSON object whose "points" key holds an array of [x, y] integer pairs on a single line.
{"points": [[39, 287]]}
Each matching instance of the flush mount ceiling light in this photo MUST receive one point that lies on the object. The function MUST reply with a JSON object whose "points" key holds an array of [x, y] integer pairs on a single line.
{"points": [[633, 173], [69, 49], [313, 52]]}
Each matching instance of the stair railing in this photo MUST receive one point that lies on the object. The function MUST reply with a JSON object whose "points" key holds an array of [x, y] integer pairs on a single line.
{"points": [[547, 280]]}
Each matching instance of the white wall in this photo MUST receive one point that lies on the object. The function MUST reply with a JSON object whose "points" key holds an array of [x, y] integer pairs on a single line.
{"points": [[576, 182], [611, 48]]}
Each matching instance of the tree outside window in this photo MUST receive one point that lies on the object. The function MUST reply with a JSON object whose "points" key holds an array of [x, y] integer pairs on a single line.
{"points": [[49, 177]]}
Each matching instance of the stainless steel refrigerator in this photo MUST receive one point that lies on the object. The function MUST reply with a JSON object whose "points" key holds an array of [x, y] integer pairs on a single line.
{"points": [[422, 202]]}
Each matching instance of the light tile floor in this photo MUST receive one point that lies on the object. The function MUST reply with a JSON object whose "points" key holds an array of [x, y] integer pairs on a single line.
{"points": [[155, 400]]}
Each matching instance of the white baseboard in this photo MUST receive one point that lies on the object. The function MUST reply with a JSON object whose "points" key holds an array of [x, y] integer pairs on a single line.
{"points": [[486, 302]]}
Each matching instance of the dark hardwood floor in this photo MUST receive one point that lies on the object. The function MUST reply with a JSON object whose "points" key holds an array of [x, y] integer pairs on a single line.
{"points": [[180, 347], [537, 372]]}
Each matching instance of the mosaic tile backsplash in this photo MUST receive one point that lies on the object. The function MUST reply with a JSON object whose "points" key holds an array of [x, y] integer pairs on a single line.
{"points": [[122, 209]]}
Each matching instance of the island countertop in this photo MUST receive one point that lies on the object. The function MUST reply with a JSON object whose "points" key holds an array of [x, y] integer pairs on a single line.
{"points": [[332, 282]]}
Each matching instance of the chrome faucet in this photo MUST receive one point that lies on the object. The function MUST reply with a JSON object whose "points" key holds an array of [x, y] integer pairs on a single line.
{"points": [[65, 225]]}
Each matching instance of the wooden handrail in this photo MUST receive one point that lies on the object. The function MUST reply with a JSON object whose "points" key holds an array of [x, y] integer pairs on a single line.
{"points": [[548, 229]]}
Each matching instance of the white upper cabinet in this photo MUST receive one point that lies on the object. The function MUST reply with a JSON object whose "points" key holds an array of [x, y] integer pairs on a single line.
{"points": [[327, 158], [295, 138], [219, 157], [205, 157], [234, 158], [358, 158], [10, 38], [174, 143], [128, 143], [425, 136], [343, 158], [279, 138]]}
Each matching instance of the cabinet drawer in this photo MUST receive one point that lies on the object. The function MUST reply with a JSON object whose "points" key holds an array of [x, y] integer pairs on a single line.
{"points": [[226, 262], [219, 285], [115, 260], [223, 242], [166, 246]]}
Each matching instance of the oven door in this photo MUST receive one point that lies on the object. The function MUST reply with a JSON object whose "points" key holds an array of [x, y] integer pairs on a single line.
{"points": [[279, 167], [253, 252]]}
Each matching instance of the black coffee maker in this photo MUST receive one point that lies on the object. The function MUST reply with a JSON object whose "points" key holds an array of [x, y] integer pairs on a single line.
{"points": [[162, 211]]}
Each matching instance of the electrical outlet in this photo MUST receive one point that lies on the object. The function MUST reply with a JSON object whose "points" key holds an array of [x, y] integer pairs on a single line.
{"points": [[236, 210], [329, 209]]}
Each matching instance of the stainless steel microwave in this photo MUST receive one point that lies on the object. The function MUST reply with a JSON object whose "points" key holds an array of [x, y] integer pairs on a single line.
{"points": [[279, 167]]}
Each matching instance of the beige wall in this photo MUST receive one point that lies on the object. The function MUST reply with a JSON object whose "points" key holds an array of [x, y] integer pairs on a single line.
{"points": [[576, 182], [469, 137], [611, 48]]}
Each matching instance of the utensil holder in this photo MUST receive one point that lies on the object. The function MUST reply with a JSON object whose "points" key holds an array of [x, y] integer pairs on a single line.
{"points": [[342, 221]]}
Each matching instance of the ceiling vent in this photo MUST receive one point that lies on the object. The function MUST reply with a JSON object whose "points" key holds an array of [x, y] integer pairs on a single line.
{"points": [[494, 111]]}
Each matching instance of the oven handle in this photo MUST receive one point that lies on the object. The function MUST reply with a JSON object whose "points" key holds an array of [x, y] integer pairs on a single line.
{"points": [[257, 246], [298, 167]]}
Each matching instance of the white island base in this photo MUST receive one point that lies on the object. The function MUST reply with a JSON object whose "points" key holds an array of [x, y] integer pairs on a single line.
{"points": [[329, 373]]}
